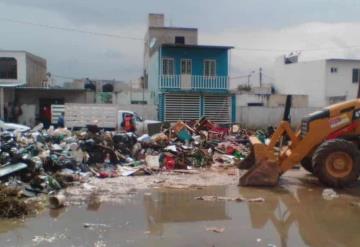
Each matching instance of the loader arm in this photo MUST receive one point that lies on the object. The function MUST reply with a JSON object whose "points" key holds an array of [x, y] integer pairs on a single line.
{"points": [[272, 160]]}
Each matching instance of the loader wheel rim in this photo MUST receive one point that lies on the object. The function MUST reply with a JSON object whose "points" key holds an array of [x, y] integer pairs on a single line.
{"points": [[339, 164]]}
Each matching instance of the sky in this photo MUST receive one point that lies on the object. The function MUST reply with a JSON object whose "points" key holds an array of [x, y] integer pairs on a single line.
{"points": [[260, 31]]}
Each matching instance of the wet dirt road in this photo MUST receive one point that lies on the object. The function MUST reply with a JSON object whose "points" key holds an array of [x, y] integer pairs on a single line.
{"points": [[293, 214]]}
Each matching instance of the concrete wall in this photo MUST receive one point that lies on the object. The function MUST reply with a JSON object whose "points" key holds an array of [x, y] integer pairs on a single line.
{"points": [[125, 97], [262, 117], [303, 78], [36, 69], [298, 101], [31, 69], [339, 84], [244, 99], [21, 67], [274, 100], [29, 100]]}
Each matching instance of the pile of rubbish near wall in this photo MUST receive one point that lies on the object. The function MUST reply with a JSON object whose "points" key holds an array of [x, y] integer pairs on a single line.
{"points": [[42, 161]]}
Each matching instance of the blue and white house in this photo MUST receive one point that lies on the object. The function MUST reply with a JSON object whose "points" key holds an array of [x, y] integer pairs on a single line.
{"points": [[190, 81]]}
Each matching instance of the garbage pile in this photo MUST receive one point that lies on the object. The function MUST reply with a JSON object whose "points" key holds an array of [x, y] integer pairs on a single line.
{"points": [[43, 161]]}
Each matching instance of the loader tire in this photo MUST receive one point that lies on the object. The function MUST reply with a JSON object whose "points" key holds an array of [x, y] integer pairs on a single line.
{"points": [[306, 163], [337, 163]]}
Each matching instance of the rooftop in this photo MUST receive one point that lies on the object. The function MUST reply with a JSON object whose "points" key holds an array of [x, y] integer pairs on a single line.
{"points": [[197, 46], [177, 28]]}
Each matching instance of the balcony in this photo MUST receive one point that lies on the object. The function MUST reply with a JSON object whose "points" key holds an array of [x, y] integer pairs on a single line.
{"points": [[194, 82]]}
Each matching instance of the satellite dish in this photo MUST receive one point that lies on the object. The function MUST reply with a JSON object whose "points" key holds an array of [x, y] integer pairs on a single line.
{"points": [[152, 42], [293, 57]]}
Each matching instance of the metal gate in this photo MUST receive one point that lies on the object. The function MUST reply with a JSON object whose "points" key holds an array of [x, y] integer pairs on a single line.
{"points": [[181, 107], [217, 108]]}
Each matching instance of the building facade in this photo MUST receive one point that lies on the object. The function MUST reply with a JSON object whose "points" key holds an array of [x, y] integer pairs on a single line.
{"points": [[325, 81], [157, 34], [19, 68], [190, 81], [186, 81], [22, 68]]}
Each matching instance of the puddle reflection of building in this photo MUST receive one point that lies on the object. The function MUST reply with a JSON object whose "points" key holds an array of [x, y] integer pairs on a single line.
{"points": [[176, 206], [319, 222]]}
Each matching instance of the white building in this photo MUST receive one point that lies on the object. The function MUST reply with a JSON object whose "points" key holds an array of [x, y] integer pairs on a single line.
{"points": [[325, 81], [21, 67]]}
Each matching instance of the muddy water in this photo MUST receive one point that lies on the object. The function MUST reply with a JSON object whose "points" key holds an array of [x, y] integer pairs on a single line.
{"points": [[291, 215]]}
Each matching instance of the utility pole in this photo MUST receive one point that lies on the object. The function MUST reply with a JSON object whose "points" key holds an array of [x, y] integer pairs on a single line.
{"points": [[260, 76], [2, 103]]}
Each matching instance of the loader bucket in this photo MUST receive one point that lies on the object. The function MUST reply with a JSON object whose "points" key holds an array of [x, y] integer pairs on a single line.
{"points": [[263, 167]]}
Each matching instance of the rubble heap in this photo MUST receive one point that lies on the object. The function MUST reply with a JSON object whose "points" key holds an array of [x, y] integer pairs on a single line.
{"points": [[43, 161]]}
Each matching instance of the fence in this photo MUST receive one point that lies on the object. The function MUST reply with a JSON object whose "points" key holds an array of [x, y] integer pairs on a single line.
{"points": [[260, 117]]}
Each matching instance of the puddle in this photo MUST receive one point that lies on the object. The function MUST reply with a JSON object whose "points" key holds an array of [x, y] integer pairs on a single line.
{"points": [[290, 216]]}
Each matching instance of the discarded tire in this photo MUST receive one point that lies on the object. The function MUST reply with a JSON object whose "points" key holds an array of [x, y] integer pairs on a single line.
{"points": [[337, 163]]}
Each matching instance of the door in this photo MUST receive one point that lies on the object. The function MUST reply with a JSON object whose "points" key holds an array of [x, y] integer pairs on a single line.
{"points": [[217, 108], [186, 68], [181, 107]]}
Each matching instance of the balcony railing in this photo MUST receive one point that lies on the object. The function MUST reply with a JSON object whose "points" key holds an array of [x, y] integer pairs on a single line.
{"points": [[194, 82]]}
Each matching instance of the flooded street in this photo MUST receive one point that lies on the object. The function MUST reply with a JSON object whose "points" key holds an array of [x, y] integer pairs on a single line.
{"points": [[293, 214]]}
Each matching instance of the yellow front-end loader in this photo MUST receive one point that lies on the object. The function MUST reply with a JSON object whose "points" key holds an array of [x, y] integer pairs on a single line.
{"points": [[326, 144]]}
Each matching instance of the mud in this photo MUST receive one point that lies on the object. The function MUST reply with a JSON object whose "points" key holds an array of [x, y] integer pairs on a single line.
{"points": [[119, 188], [292, 214]]}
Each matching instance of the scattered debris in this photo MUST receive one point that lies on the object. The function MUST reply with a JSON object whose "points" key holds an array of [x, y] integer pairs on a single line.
{"points": [[44, 161], [235, 199], [56, 201], [329, 194], [95, 225], [355, 204], [47, 239], [215, 229], [13, 205]]}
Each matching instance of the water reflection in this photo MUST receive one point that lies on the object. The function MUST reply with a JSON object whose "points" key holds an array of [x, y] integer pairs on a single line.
{"points": [[174, 206], [319, 222], [93, 202]]}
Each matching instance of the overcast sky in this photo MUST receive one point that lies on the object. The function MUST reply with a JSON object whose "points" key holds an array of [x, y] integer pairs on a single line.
{"points": [[322, 28]]}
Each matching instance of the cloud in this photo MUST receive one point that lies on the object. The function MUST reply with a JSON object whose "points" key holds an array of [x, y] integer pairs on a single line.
{"points": [[318, 40], [278, 27]]}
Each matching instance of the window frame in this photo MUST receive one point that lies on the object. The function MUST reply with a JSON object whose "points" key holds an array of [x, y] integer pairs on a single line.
{"points": [[333, 70], [166, 59], [357, 70], [210, 61], [9, 75], [188, 66], [176, 40]]}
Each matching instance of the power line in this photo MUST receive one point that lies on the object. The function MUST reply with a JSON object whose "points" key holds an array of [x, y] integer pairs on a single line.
{"points": [[71, 29], [238, 48], [301, 50]]}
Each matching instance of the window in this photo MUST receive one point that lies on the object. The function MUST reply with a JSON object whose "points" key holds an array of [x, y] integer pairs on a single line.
{"points": [[333, 70], [210, 67], [355, 75], [8, 68], [186, 66], [168, 66], [180, 40]]}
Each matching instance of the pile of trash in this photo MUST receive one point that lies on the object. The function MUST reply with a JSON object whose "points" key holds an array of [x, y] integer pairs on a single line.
{"points": [[41, 161]]}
